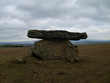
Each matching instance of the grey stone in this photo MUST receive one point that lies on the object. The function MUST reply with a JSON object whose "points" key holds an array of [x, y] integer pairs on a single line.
{"points": [[56, 34], [55, 50], [19, 61]]}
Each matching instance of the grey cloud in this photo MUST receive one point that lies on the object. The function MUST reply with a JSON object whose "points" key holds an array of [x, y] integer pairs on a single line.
{"points": [[94, 3], [99, 9], [4, 3], [38, 9], [47, 8], [18, 16]]}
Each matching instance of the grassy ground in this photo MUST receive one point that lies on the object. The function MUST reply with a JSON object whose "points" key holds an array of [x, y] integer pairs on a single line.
{"points": [[93, 67]]}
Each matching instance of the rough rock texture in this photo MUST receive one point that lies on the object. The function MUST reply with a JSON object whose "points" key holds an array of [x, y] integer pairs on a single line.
{"points": [[57, 34], [55, 50], [55, 44], [19, 60]]}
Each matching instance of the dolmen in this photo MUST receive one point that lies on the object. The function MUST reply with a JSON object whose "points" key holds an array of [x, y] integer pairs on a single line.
{"points": [[55, 44]]}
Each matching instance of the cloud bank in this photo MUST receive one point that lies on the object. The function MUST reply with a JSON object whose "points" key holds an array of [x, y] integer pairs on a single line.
{"points": [[19, 16]]}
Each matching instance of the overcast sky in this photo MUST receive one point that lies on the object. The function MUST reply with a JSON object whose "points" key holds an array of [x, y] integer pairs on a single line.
{"points": [[19, 16]]}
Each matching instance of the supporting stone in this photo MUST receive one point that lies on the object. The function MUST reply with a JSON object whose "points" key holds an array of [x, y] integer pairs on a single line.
{"points": [[55, 50]]}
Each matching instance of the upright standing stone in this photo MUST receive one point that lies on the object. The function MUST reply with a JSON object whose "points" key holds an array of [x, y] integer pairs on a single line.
{"points": [[55, 45]]}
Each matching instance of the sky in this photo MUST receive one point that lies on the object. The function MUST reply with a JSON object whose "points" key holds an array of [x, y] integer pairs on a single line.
{"points": [[19, 16]]}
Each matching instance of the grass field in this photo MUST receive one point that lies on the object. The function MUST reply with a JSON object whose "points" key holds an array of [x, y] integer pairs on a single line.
{"points": [[93, 67]]}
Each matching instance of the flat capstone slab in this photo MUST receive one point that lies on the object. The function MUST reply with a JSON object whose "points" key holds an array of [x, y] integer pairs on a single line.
{"points": [[56, 34]]}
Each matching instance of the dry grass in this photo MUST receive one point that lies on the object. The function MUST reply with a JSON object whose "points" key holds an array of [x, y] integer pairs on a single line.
{"points": [[93, 67]]}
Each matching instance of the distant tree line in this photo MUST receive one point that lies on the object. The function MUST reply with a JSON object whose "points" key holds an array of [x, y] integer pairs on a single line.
{"points": [[14, 45]]}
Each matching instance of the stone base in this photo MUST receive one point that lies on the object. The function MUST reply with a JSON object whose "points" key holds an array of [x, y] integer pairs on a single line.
{"points": [[55, 50]]}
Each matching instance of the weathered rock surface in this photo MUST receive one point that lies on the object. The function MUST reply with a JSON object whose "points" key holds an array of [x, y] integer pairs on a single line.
{"points": [[56, 34], [55, 44], [19, 60], [55, 50]]}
